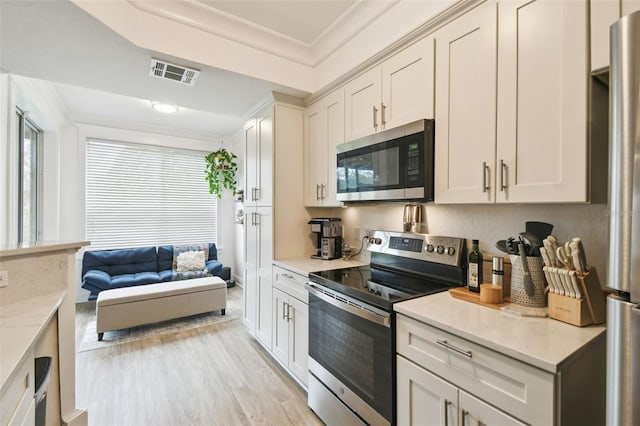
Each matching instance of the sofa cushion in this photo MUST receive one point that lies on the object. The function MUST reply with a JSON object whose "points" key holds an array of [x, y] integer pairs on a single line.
{"points": [[139, 278], [121, 261], [96, 281], [191, 261], [214, 267], [165, 256], [166, 275]]}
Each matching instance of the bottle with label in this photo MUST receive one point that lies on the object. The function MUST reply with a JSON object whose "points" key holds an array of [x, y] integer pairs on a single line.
{"points": [[475, 268]]}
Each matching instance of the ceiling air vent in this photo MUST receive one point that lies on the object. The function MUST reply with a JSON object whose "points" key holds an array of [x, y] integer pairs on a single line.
{"points": [[169, 71]]}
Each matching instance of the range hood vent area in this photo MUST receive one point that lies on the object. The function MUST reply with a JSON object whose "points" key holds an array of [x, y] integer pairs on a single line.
{"points": [[169, 71]]}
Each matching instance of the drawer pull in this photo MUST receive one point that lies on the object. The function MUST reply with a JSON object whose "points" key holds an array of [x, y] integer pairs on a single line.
{"points": [[453, 348], [287, 276]]}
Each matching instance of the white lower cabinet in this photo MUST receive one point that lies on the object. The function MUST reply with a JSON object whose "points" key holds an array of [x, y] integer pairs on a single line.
{"points": [[444, 379], [17, 404], [426, 399], [290, 322]]}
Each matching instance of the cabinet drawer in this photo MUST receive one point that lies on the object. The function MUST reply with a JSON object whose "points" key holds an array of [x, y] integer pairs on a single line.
{"points": [[524, 391], [291, 283], [16, 401]]}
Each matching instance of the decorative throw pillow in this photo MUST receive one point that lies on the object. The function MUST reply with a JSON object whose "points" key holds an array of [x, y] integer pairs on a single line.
{"points": [[177, 250], [190, 261]]}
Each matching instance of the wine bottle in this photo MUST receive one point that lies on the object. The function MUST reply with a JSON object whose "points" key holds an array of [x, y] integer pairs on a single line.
{"points": [[475, 268]]}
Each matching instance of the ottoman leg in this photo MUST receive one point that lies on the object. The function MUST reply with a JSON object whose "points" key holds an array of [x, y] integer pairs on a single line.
{"points": [[223, 311], [100, 335]]}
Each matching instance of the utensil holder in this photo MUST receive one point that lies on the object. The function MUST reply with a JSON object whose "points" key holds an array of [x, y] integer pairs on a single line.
{"points": [[590, 309], [518, 294]]}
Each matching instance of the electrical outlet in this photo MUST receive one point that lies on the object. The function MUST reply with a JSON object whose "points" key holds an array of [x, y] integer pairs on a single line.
{"points": [[4, 278]]}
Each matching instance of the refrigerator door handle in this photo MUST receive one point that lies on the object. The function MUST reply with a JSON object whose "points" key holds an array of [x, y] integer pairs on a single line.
{"points": [[623, 361]]}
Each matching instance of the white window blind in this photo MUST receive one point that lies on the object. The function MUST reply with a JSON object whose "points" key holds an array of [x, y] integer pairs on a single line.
{"points": [[143, 195]]}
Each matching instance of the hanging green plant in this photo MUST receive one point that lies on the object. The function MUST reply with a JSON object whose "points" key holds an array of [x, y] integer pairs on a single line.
{"points": [[221, 171]]}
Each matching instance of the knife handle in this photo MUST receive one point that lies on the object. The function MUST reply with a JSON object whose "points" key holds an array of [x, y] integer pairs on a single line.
{"points": [[577, 260]]}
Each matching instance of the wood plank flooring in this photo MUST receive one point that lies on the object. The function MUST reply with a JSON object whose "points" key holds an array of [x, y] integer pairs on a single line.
{"points": [[215, 375]]}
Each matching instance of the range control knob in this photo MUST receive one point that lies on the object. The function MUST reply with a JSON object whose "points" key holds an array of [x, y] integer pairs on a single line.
{"points": [[430, 248], [451, 251], [440, 249]]}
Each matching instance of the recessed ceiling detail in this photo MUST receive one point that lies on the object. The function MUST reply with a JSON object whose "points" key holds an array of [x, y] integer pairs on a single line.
{"points": [[173, 72]]}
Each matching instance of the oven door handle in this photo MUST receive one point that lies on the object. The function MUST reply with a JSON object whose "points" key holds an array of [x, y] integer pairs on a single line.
{"points": [[359, 309]]}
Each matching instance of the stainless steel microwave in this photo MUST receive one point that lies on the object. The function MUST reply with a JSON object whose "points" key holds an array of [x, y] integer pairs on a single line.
{"points": [[392, 165]]}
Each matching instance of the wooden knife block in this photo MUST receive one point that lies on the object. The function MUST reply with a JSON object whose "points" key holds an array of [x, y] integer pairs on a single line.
{"points": [[581, 312]]}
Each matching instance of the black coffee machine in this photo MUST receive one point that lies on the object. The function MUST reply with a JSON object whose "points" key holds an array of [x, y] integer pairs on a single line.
{"points": [[329, 237]]}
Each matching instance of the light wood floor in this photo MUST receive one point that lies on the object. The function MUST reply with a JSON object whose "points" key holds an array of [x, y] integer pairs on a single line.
{"points": [[215, 375]]}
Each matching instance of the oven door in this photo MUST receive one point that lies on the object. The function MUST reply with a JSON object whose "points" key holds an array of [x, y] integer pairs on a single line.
{"points": [[351, 350]]}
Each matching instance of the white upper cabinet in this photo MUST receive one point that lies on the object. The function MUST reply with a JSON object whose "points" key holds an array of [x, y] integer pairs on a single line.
{"points": [[324, 129], [603, 14], [465, 110], [398, 91], [362, 105], [407, 85], [542, 101], [629, 6], [259, 159], [518, 133]]}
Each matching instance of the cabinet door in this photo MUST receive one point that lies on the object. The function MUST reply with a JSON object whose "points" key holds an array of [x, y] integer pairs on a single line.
{"points": [[264, 123], [407, 85], [280, 339], [250, 269], [629, 6], [298, 338], [603, 14], [362, 105], [334, 135], [474, 412], [542, 101], [423, 398], [466, 107], [315, 155], [264, 248], [251, 161]]}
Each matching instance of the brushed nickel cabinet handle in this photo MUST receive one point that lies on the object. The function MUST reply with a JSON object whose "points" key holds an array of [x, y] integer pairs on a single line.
{"points": [[375, 117], [464, 415], [453, 348], [503, 166], [317, 194], [485, 169], [383, 108], [289, 313], [446, 412], [284, 304], [322, 196]]}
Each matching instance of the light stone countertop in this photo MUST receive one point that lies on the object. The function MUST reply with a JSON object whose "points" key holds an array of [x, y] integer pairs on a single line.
{"points": [[40, 247], [542, 342], [21, 324], [305, 265]]}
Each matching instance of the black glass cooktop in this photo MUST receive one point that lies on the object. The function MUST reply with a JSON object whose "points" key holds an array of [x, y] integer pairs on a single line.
{"points": [[378, 287]]}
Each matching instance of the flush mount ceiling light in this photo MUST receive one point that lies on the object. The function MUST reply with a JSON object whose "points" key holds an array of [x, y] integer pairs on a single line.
{"points": [[166, 108]]}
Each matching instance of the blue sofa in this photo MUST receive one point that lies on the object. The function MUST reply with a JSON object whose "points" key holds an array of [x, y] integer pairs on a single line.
{"points": [[107, 269]]}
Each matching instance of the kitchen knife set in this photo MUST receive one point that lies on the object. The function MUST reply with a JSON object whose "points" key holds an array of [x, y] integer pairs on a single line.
{"points": [[565, 266]]}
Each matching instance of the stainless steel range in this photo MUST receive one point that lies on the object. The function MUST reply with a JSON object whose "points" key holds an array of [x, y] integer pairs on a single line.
{"points": [[352, 324]]}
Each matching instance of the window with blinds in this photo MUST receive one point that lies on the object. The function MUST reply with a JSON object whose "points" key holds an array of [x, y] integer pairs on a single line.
{"points": [[143, 195]]}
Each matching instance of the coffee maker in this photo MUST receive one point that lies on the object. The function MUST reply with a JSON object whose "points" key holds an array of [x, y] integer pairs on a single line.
{"points": [[329, 237]]}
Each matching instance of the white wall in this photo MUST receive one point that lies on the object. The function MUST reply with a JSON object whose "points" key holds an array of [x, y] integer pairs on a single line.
{"points": [[37, 98], [491, 223]]}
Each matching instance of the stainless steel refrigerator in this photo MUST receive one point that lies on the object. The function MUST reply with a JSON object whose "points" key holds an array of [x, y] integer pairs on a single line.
{"points": [[623, 307]]}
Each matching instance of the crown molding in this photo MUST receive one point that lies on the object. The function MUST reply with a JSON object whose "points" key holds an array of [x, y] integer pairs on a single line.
{"points": [[203, 17]]}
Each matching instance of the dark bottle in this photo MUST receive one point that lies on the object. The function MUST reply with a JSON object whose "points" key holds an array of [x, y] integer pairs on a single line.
{"points": [[474, 278]]}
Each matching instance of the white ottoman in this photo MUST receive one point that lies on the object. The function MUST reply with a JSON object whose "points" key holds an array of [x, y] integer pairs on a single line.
{"points": [[145, 304]]}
